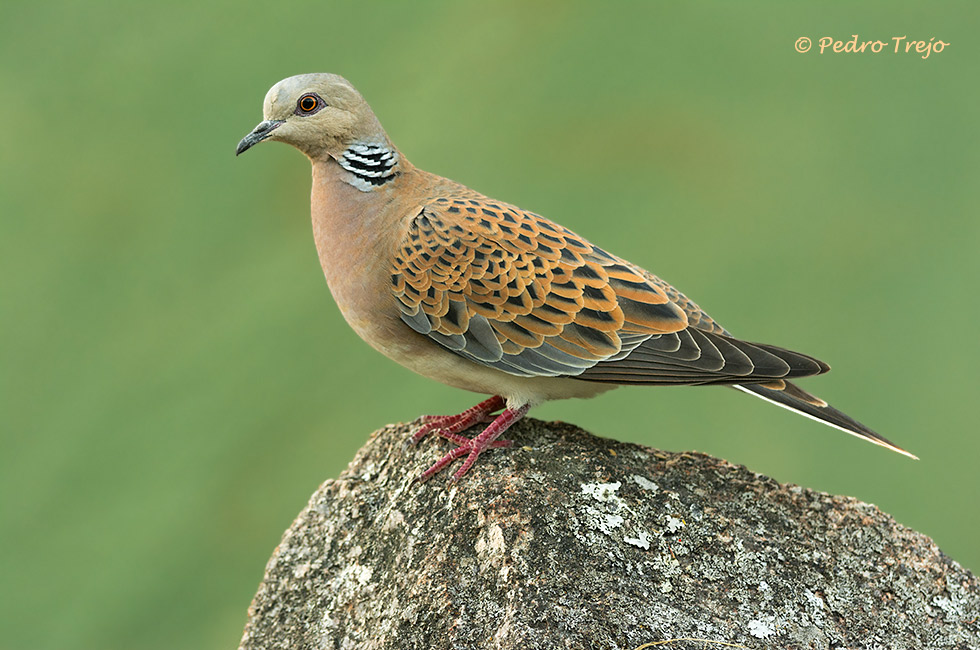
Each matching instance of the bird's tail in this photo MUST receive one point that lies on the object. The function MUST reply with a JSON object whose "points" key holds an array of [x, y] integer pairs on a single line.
{"points": [[792, 397]]}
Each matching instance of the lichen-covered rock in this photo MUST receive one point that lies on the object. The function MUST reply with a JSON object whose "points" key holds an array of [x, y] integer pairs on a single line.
{"points": [[574, 541]]}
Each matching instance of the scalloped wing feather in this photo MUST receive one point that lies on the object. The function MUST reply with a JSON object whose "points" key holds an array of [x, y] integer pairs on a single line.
{"points": [[511, 290]]}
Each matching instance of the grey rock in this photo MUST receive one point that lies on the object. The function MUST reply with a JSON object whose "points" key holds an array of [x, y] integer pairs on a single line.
{"points": [[572, 541]]}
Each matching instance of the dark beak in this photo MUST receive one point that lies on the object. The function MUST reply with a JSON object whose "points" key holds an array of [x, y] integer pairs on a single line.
{"points": [[258, 134]]}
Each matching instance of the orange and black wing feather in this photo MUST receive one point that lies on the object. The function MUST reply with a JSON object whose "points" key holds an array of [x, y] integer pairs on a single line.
{"points": [[511, 290]]}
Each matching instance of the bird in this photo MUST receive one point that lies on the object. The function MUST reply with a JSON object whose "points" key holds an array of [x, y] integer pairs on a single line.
{"points": [[487, 297]]}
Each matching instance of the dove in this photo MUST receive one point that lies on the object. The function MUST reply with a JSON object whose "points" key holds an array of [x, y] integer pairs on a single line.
{"points": [[487, 297]]}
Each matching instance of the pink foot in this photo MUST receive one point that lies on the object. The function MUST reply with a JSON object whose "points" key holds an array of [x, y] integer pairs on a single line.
{"points": [[472, 448], [449, 426]]}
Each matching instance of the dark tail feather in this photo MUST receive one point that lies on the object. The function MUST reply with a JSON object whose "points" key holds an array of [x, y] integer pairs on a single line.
{"points": [[794, 398]]}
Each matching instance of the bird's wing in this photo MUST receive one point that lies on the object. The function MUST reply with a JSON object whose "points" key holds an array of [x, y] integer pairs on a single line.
{"points": [[511, 290]]}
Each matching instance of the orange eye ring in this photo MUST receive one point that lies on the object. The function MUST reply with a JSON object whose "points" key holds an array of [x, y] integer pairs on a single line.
{"points": [[308, 103]]}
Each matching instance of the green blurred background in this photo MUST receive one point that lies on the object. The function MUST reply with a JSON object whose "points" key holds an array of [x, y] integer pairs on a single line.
{"points": [[176, 379]]}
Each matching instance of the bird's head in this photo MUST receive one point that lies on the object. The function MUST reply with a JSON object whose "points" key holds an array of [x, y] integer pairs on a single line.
{"points": [[320, 114]]}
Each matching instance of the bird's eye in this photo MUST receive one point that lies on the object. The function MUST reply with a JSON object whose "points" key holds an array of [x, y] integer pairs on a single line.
{"points": [[308, 104]]}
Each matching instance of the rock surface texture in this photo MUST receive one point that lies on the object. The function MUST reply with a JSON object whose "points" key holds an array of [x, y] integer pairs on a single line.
{"points": [[572, 541]]}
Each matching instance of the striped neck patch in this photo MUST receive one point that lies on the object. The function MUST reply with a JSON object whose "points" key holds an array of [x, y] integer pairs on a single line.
{"points": [[370, 164]]}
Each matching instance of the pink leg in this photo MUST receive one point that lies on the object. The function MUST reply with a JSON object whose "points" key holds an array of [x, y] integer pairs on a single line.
{"points": [[472, 448], [448, 426]]}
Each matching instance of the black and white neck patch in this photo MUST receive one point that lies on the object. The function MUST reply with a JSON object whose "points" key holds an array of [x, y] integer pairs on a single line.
{"points": [[370, 164]]}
